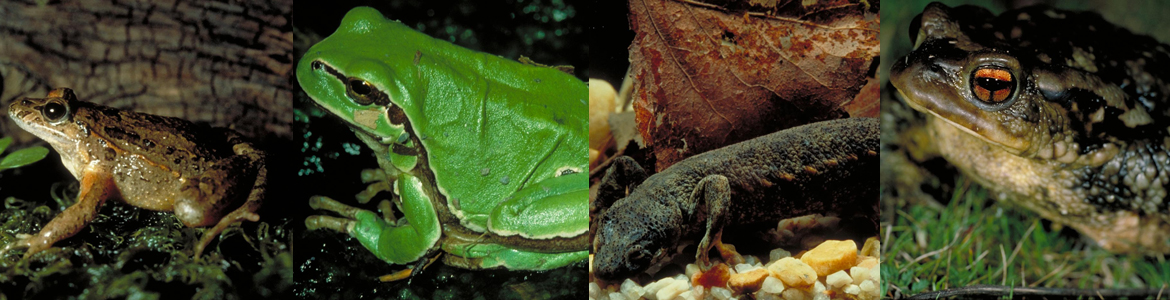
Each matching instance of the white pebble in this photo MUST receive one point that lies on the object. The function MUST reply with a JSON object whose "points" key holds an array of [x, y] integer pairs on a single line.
{"points": [[819, 287], [761, 295], [778, 253], [772, 285], [688, 295], [594, 291], [721, 293], [631, 289], [853, 289], [672, 290], [652, 288], [838, 279], [795, 294], [867, 287], [820, 296], [875, 275], [692, 269], [616, 296], [682, 277], [741, 268], [859, 274], [750, 259]]}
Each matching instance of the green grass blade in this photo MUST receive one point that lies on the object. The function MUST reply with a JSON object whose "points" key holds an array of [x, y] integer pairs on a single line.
{"points": [[4, 142], [23, 157]]}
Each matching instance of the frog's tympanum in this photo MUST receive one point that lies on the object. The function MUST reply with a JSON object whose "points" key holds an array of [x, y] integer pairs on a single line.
{"points": [[486, 156], [206, 176], [1059, 111], [821, 168]]}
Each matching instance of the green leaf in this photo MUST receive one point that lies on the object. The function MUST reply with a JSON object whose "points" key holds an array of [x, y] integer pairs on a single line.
{"points": [[23, 157], [4, 142]]}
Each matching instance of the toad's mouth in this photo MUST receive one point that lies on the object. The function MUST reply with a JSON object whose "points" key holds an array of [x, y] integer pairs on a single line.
{"points": [[959, 118]]}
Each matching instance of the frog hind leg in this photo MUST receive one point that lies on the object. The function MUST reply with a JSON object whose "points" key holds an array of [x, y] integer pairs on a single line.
{"points": [[553, 212], [496, 256], [713, 196], [96, 188], [552, 208], [246, 211]]}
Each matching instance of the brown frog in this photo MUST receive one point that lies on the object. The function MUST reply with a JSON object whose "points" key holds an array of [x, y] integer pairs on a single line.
{"points": [[206, 176], [1059, 111]]}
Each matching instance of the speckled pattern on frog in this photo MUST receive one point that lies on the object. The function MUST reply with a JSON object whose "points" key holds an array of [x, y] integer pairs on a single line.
{"points": [[1061, 111]]}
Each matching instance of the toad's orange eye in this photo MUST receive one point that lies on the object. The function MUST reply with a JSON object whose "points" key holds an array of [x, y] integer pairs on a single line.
{"points": [[993, 85]]}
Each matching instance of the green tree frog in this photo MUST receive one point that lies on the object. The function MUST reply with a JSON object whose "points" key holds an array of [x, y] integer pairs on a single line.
{"points": [[486, 156]]}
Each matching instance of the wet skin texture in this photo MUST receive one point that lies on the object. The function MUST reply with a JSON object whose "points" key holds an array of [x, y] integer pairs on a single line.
{"points": [[1059, 111], [206, 176], [825, 167]]}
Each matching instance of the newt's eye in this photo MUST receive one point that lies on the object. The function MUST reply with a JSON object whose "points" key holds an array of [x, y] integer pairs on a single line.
{"points": [[993, 85], [55, 112]]}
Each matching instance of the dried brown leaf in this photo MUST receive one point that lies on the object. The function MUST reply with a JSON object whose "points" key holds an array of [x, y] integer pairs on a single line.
{"points": [[706, 76]]}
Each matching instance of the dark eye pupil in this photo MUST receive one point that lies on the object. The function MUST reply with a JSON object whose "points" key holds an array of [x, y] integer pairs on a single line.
{"points": [[316, 65], [359, 87], [993, 84], [54, 111]]}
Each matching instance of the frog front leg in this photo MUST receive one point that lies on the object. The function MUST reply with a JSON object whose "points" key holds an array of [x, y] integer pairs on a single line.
{"points": [[96, 188], [410, 240]]}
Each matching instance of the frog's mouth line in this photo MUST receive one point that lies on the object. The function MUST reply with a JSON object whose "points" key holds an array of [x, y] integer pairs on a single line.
{"points": [[918, 107]]}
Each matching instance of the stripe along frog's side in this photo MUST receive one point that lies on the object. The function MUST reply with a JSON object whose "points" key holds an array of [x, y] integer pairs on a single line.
{"points": [[487, 155]]}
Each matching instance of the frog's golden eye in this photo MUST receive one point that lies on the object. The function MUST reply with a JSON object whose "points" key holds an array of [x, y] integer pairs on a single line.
{"points": [[55, 112], [993, 85], [364, 93], [360, 91]]}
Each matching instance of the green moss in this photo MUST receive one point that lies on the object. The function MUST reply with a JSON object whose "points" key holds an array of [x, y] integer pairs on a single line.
{"points": [[127, 252]]}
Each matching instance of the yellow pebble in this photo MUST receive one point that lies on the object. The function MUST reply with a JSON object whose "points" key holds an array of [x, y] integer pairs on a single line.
{"points": [[831, 256], [793, 272]]}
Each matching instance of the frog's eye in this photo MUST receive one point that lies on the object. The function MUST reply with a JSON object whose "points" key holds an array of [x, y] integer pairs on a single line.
{"points": [[364, 93], [993, 85], [360, 91], [55, 112]]}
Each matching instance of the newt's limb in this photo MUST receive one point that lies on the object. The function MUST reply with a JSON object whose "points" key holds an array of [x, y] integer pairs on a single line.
{"points": [[713, 195], [623, 176]]}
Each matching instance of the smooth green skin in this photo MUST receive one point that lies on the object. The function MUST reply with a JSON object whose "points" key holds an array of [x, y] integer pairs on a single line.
{"points": [[497, 133]]}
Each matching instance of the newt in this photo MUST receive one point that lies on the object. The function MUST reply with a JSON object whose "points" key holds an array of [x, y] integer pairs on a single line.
{"points": [[824, 167]]}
